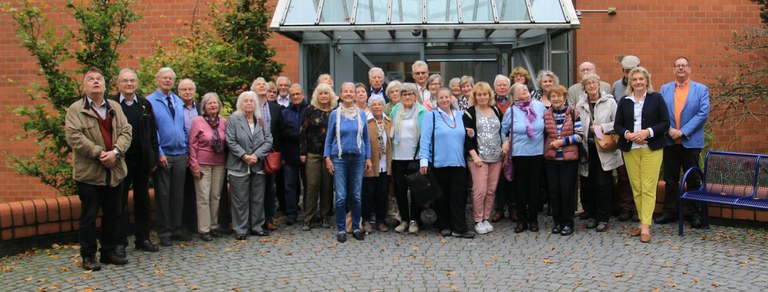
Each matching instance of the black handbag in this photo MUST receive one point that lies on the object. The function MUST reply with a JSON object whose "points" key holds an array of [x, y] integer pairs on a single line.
{"points": [[424, 188]]}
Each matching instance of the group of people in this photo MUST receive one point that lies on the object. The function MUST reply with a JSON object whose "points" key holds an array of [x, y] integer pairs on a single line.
{"points": [[516, 145]]}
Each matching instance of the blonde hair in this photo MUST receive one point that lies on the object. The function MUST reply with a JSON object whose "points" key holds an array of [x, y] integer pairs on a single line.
{"points": [[647, 77], [324, 87], [520, 71], [480, 87]]}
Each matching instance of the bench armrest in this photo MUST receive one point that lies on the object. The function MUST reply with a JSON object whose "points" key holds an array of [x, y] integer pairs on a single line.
{"points": [[692, 171]]}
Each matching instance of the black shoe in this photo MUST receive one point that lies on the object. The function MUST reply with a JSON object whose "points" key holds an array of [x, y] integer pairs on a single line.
{"points": [[602, 227], [89, 263], [635, 216], [182, 236], [445, 232], [341, 237], [241, 237], [120, 250], [533, 226], [584, 215], [290, 221], [358, 234], [260, 233], [306, 227], [591, 224], [217, 233], [112, 258], [696, 222], [521, 227], [165, 241], [465, 234], [567, 230], [664, 219], [556, 229], [147, 245], [206, 236], [625, 215]]}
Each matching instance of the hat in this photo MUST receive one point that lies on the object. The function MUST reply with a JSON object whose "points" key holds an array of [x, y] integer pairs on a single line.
{"points": [[630, 62]]}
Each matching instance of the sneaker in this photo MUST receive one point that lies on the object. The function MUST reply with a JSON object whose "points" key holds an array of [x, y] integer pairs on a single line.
{"points": [[488, 226], [413, 227], [402, 227], [480, 228], [602, 227], [591, 224], [306, 227], [445, 232]]}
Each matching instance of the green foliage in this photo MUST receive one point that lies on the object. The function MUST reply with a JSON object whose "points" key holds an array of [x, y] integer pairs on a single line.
{"points": [[223, 53], [763, 10], [102, 25]]}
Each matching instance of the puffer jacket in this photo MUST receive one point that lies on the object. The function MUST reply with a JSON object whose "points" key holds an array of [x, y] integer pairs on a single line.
{"points": [[81, 129], [605, 112]]}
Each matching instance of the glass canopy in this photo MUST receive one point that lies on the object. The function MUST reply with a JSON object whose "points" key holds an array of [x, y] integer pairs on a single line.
{"points": [[304, 20]]}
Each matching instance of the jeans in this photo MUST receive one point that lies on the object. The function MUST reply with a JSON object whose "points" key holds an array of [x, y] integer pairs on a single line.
{"points": [[348, 181], [291, 175], [408, 208]]}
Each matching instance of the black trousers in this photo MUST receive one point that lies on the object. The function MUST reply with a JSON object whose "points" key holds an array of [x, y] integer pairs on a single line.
{"points": [[376, 197], [504, 194], [561, 178], [452, 206], [138, 177], [597, 188], [528, 198], [189, 213], [676, 159], [407, 207], [92, 199]]}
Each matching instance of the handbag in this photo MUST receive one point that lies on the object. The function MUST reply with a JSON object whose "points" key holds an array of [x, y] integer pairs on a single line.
{"points": [[608, 143], [509, 167], [274, 160], [424, 188]]}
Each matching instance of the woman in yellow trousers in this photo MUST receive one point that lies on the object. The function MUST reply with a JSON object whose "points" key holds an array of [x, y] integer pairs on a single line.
{"points": [[641, 121]]}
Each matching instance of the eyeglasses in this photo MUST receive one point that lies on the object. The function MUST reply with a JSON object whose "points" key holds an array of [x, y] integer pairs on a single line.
{"points": [[420, 73], [681, 65], [129, 81]]}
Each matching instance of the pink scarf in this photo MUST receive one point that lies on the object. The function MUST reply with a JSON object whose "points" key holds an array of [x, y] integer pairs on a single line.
{"points": [[530, 116]]}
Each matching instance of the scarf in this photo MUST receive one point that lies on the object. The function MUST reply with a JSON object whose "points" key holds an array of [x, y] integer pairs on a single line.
{"points": [[216, 143], [350, 114], [380, 134], [402, 115], [530, 116]]}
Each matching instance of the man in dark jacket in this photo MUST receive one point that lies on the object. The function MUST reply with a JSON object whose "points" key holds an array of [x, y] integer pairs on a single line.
{"points": [[272, 115], [141, 160], [292, 167]]}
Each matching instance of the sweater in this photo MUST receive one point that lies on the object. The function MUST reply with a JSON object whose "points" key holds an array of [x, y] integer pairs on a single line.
{"points": [[200, 139], [450, 137], [522, 145], [348, 132]]}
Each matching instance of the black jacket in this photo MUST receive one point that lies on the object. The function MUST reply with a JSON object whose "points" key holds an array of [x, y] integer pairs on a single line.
{"points": [[275, 124], [145, 132], [654, 116]]}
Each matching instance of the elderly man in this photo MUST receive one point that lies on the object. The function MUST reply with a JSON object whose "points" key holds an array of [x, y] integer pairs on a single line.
{"points": [[504, 198], [688, 106], [376, 82], [272, 115], [99, 134], [187, 90], [293, 170], [140, 158], [420, 73], [283, 91], [174, 153], [577, 90], [623, 191]]}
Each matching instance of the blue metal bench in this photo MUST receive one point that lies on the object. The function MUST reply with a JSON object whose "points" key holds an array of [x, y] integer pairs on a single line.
{"points": [[729, 178]]}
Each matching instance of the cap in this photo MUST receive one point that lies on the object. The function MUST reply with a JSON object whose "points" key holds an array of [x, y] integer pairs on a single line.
{"points": [[630, 62]]}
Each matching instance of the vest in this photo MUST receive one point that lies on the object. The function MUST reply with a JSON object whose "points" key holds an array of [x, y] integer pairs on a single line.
{"points": [[570, 152]]}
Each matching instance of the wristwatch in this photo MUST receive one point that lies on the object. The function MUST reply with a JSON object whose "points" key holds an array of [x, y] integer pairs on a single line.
{"points": [[117, 153]]}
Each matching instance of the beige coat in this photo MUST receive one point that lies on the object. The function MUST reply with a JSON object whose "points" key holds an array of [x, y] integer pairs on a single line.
{"points": [[605, 113], [81, 128], [374, 135]]}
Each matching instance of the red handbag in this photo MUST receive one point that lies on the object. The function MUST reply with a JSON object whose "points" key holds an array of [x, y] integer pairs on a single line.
{"points": [[273, 162]]}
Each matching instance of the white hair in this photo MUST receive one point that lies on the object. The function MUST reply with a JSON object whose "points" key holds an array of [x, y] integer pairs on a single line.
{"points": [[243, 96], [503, 78], [374, 70], [419, 63], [165, 70], [253, 85], [190, 80], [207, 97], [283, 78]]}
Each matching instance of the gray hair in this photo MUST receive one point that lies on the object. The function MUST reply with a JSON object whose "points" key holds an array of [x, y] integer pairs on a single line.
{"points": [[165, 70], [126, 70], [411, 87], [393, 85], [433, 77], [551, 74], [207, 97], [589, 76], [375, 69], [467, 79], [243, 96], [253, 85], [319, 78], [324, 87], [376, 98], [501, 77], [513, 88], [419, 63], [283, 78], [297, 86], [454, 80], [190, 80]]}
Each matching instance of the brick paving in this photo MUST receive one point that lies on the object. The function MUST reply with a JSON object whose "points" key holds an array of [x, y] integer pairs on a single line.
{"points": [[729, 258]]}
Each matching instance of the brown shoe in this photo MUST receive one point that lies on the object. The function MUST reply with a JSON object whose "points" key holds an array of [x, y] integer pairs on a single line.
{"points": [[498, 216], [645, 237], [635, 232], [270, 226]]}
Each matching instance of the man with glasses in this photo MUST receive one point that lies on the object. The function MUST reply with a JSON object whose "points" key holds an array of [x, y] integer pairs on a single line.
{"points": [[420, 73], [283, 91], [187, 90], [141, 160], [577, 90], [293, 170]]}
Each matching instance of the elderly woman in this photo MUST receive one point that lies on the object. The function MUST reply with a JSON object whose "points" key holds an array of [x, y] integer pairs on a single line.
{"points": [[597, 111], [347, 155], [319, 194], [376, 179], [393, 92], [483, 144], [444, 125], [207, 156], [525, 119], [434, 82], [641, 120], [465, 85], [520, 75], [455, 85], [563, 132], [249, 141], [407, 119], [547, 81], [361, 99]]}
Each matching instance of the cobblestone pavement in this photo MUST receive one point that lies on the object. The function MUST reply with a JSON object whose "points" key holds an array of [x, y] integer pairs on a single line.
{"points": [[734, 259]]}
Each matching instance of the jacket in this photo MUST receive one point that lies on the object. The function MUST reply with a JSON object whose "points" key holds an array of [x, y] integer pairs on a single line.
{"points": [[291, 124], [420, 111], [605, 113], [374, 136], [569, 127], [470, 122], [145, 132], [275, 124], [81, 129], [240, 141], [654, 116], [694, 115]]}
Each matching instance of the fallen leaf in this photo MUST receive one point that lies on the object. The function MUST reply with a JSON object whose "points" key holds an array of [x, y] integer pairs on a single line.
{"points": [[675, 247], [236, 289], [28, 279], [145, 284], [488, 264], [602, 285], [355, 276], [428, 266], [201, 255], [193, 287], [451, 273], [578, 283], [547, 261], [493, 257], [714, 285], [618, 275]]}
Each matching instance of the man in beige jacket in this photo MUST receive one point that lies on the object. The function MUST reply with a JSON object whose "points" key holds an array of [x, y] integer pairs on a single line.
{"points": [[98, 133]]}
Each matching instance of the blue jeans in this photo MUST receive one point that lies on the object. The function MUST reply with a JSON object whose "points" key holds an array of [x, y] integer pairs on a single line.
{"points": [[348, 182], [291, 175]]}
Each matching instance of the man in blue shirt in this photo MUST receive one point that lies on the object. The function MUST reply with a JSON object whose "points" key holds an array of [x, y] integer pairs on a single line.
{"points": [[170, 175]]}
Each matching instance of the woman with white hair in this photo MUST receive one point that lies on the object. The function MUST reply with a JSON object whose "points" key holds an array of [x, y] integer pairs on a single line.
{"points": [[249, 141], [376, 179], [207, 156]]}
